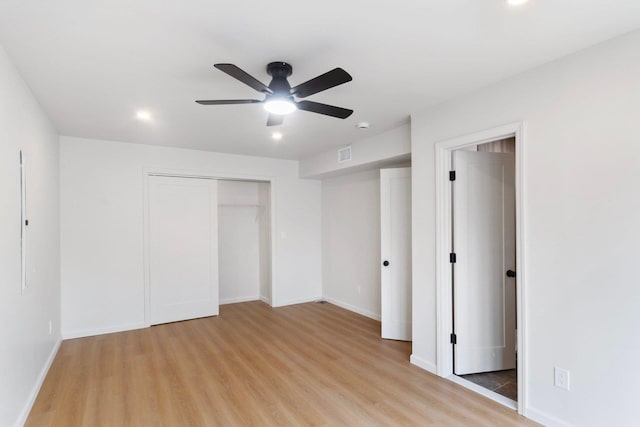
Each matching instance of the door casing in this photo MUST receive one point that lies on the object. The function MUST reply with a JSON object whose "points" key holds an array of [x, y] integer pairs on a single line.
{"points": [[444, 308]]}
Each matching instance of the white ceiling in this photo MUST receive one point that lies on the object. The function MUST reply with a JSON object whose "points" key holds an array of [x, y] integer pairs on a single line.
{"points": [[93, 63]]}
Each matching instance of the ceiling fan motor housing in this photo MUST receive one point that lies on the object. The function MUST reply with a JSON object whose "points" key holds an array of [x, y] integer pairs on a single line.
{"points": [[279, 84], [279, 69]]}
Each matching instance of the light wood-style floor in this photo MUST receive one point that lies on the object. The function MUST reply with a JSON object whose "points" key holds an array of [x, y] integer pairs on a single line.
{"points": [[309, 364]]}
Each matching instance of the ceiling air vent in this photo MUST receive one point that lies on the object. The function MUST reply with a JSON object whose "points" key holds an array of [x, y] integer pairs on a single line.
{"points": [[344, 154]]}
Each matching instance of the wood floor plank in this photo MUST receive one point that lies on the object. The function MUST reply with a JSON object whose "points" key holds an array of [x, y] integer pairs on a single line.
{"points": [[303, 365]]}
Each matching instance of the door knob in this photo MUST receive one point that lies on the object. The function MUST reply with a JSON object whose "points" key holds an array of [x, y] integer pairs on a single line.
{"points": [[385, 263], [511, 273]]}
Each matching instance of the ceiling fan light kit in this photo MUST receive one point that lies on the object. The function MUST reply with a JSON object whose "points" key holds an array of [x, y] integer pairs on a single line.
{"points": [[279, 106], [280, 97]]}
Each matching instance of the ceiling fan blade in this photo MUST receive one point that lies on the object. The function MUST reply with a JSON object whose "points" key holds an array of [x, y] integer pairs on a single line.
{"points": [[244, 77], [275, 119], [229, 101], [327, 110], [330, 79]]}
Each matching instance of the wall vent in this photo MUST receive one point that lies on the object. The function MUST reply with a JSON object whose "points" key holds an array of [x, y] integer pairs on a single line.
{"points": [[344, 154]]}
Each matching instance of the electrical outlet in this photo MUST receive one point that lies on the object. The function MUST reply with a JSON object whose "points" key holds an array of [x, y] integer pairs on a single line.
{"points": [[561, 378], [50, 327], [359, 290]]}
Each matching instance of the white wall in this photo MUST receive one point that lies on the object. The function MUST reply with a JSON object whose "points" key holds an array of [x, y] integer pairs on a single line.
{"points": [[581, 228], [240, 220], [297, 242], [26, 345], [367, 153], [351, 217], [351, 242], [102, 227]]}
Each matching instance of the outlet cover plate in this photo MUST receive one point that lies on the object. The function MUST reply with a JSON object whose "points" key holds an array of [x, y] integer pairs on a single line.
{"points": [[561, 378]]}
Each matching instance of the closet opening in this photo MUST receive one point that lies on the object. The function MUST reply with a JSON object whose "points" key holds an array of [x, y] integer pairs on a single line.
{"points": [[207, 242], [244, 241]]}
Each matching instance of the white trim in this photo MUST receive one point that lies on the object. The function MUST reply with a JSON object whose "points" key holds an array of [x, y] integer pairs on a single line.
{"points": [[350, 307], [101, 331], [191, 173], [484, 391], [546, 419], [296, 301], [521, 300], [443, 244], [22, 418], [239, 299], [23, 222], [424, 364], [265, 299], [146, 172]]}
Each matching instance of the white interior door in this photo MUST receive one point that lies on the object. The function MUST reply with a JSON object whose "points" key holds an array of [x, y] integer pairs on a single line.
{"points": [[395, 235], [183, 248], [484, 244]]}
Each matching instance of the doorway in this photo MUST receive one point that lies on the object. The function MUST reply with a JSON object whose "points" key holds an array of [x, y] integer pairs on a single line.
{"points": [[479, 248], [483, 264], [244, 241]]}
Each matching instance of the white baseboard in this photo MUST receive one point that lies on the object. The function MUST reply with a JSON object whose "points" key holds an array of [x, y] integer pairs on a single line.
{"points": [[22, 418], [100, 331], [265, 299], [296, 301], [238, 299], [351, 307], [424, 364], [545, 419]]}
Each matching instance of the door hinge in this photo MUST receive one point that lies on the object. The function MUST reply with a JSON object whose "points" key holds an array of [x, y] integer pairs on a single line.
{"points": [[452, 257], [454, 339], [452, 175]]}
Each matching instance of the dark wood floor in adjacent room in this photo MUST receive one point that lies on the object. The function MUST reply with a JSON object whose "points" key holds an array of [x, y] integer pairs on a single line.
{"points": [[309, 364]]}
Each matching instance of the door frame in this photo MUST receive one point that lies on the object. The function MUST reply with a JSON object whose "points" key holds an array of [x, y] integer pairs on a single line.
{"points": [[180, 173], [444, 307]]}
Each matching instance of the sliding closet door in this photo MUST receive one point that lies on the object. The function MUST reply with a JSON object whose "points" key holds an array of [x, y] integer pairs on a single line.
{"points": [[183, 248]]}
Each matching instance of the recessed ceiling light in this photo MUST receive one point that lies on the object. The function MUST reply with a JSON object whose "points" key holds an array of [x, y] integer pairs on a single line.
{"points": [[276, 136], [516, 2], [143, 115], [363, 125]]}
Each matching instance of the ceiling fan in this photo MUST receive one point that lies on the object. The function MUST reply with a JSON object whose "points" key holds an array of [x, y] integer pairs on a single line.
{"points": [[280, 97]]}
